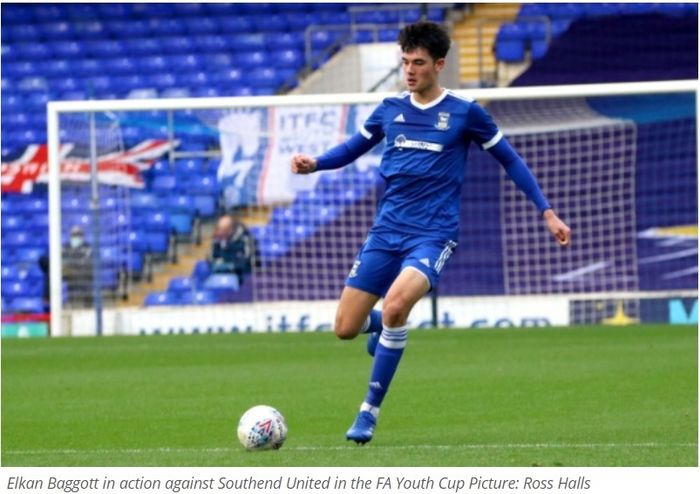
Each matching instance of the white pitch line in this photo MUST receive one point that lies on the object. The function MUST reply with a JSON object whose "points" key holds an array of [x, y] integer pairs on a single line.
{"points": [[352, 446]]}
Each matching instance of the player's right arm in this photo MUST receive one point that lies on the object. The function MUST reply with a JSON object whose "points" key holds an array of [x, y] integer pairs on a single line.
{"points": [[370, 134], [337, 156]]}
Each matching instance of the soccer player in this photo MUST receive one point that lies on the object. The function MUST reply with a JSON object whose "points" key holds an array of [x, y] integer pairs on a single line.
{"points": [[428, 131]]}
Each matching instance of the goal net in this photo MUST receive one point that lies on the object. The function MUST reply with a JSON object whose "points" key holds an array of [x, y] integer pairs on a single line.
{"points": [[620, 168]]}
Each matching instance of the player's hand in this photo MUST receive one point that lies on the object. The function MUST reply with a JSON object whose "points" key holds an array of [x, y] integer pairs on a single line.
{"points": [[303, 164], [557, 227]]}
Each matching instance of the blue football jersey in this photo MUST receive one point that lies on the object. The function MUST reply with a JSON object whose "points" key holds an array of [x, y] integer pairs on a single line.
{"points": [[424, 159]]}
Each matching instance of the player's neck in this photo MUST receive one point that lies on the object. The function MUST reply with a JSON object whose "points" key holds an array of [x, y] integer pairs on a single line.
{"points": [[428, 95]]}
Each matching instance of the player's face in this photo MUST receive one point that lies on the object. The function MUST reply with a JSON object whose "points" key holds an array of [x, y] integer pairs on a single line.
{"points": [[420, 71]]}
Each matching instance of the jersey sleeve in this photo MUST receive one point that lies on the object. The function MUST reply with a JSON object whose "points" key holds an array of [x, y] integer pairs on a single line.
{"points": [[369, 135], [481, 127], [373, 128]]}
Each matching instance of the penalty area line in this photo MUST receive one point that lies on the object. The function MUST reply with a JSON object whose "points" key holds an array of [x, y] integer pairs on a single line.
{"points": [[348, 446]]}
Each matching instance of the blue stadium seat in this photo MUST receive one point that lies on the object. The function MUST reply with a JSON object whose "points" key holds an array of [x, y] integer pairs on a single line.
{"points": [[299, 22], [12, 102], [510, 43], [388, 35], [176, 63], [67, 49], [10, 273], [270, 23], [158, 241], [64, 84], [205, 206], [160, 80], [17, 14], [17, 70], [153, 10], [332, 18], [31, 51], [21, 289], [181, 284], [90, 30], [26, 305], [28, 255], [248, 42], [142, 46], [600, 9], [221, 9], [198, 297], [224, 285], [201, 25], [177, 44], [253, 59], [266, 77], [12, 222], [80, 12], [105, 48], [203, 185], [201, 271], [159, 298], [180, 203], [189, 9], [20, 33], [189, 167], [138, 241], [164, 184], [234, 24], [365, 36], [128, 30], [284, 41], [59, 30], [292, 59], [158, 222], [211, 43], [167, 27], [160, 167], [113, 10], [256, 8]]}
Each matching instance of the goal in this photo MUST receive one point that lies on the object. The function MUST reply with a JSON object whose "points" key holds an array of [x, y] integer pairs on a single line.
{"points": [[617, 161]]}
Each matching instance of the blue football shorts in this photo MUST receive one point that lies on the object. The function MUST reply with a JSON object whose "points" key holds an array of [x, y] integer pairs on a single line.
{"points": [[384, 255]]}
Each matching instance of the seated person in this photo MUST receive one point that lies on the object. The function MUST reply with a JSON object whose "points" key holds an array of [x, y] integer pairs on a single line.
{"points": [[77, 269], [232, 248]]}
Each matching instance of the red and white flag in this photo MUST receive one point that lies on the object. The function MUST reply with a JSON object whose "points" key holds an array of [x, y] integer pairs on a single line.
{"points": [[119, 168]]}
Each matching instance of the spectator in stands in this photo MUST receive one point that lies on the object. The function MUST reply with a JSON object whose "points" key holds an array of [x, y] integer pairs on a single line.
{"points": [[77, 269], [232, 248]]}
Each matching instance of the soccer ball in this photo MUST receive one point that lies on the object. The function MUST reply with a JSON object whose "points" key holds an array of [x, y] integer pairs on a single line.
{"points": [[262, 427]]}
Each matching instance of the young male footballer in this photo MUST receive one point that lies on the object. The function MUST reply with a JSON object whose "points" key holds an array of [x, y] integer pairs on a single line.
{"points": [[428, 131]]}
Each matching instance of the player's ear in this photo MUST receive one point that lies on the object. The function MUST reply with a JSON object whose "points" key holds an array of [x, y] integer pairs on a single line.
{"points": [[439, 64]]}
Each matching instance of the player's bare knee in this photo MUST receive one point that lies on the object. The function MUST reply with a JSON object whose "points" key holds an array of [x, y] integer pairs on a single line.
{"points": [[394, 313], [344, 329]]}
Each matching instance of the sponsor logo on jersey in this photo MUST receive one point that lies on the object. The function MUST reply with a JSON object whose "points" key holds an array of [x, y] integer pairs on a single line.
{"points": [[402, 143]]}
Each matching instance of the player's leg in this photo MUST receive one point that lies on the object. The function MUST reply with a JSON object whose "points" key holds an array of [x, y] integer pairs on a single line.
{"points": [[354, 313], [408, 288], [373, 271]]}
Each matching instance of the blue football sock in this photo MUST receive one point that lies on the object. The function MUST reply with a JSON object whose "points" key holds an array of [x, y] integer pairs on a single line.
{"points": [[373, 324], [386, 360]]}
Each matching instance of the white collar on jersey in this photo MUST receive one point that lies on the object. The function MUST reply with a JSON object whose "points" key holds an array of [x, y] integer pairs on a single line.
{"points": [[431, 103]]}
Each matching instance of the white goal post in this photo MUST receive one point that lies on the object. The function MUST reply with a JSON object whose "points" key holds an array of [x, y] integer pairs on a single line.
{"points": [[55, 109]]}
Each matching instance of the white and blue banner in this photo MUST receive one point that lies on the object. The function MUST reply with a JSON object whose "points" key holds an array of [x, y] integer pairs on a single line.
{"points": [[257, 145]]}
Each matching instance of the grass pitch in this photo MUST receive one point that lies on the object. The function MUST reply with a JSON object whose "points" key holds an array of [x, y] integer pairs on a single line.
{"points": [[589, 396]]}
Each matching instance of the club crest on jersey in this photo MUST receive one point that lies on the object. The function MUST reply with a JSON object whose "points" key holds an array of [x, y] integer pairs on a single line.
{"points": [[443, 122]]}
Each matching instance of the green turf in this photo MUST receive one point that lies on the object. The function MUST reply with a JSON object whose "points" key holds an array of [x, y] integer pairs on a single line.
{"points": [[502, 397]]}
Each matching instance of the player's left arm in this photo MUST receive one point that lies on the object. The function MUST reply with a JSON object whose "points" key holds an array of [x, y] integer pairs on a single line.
{"points": [[521, 175]]}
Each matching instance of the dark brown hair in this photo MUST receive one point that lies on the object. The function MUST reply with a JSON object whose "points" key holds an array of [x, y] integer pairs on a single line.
{"points": [[428, 35]]}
